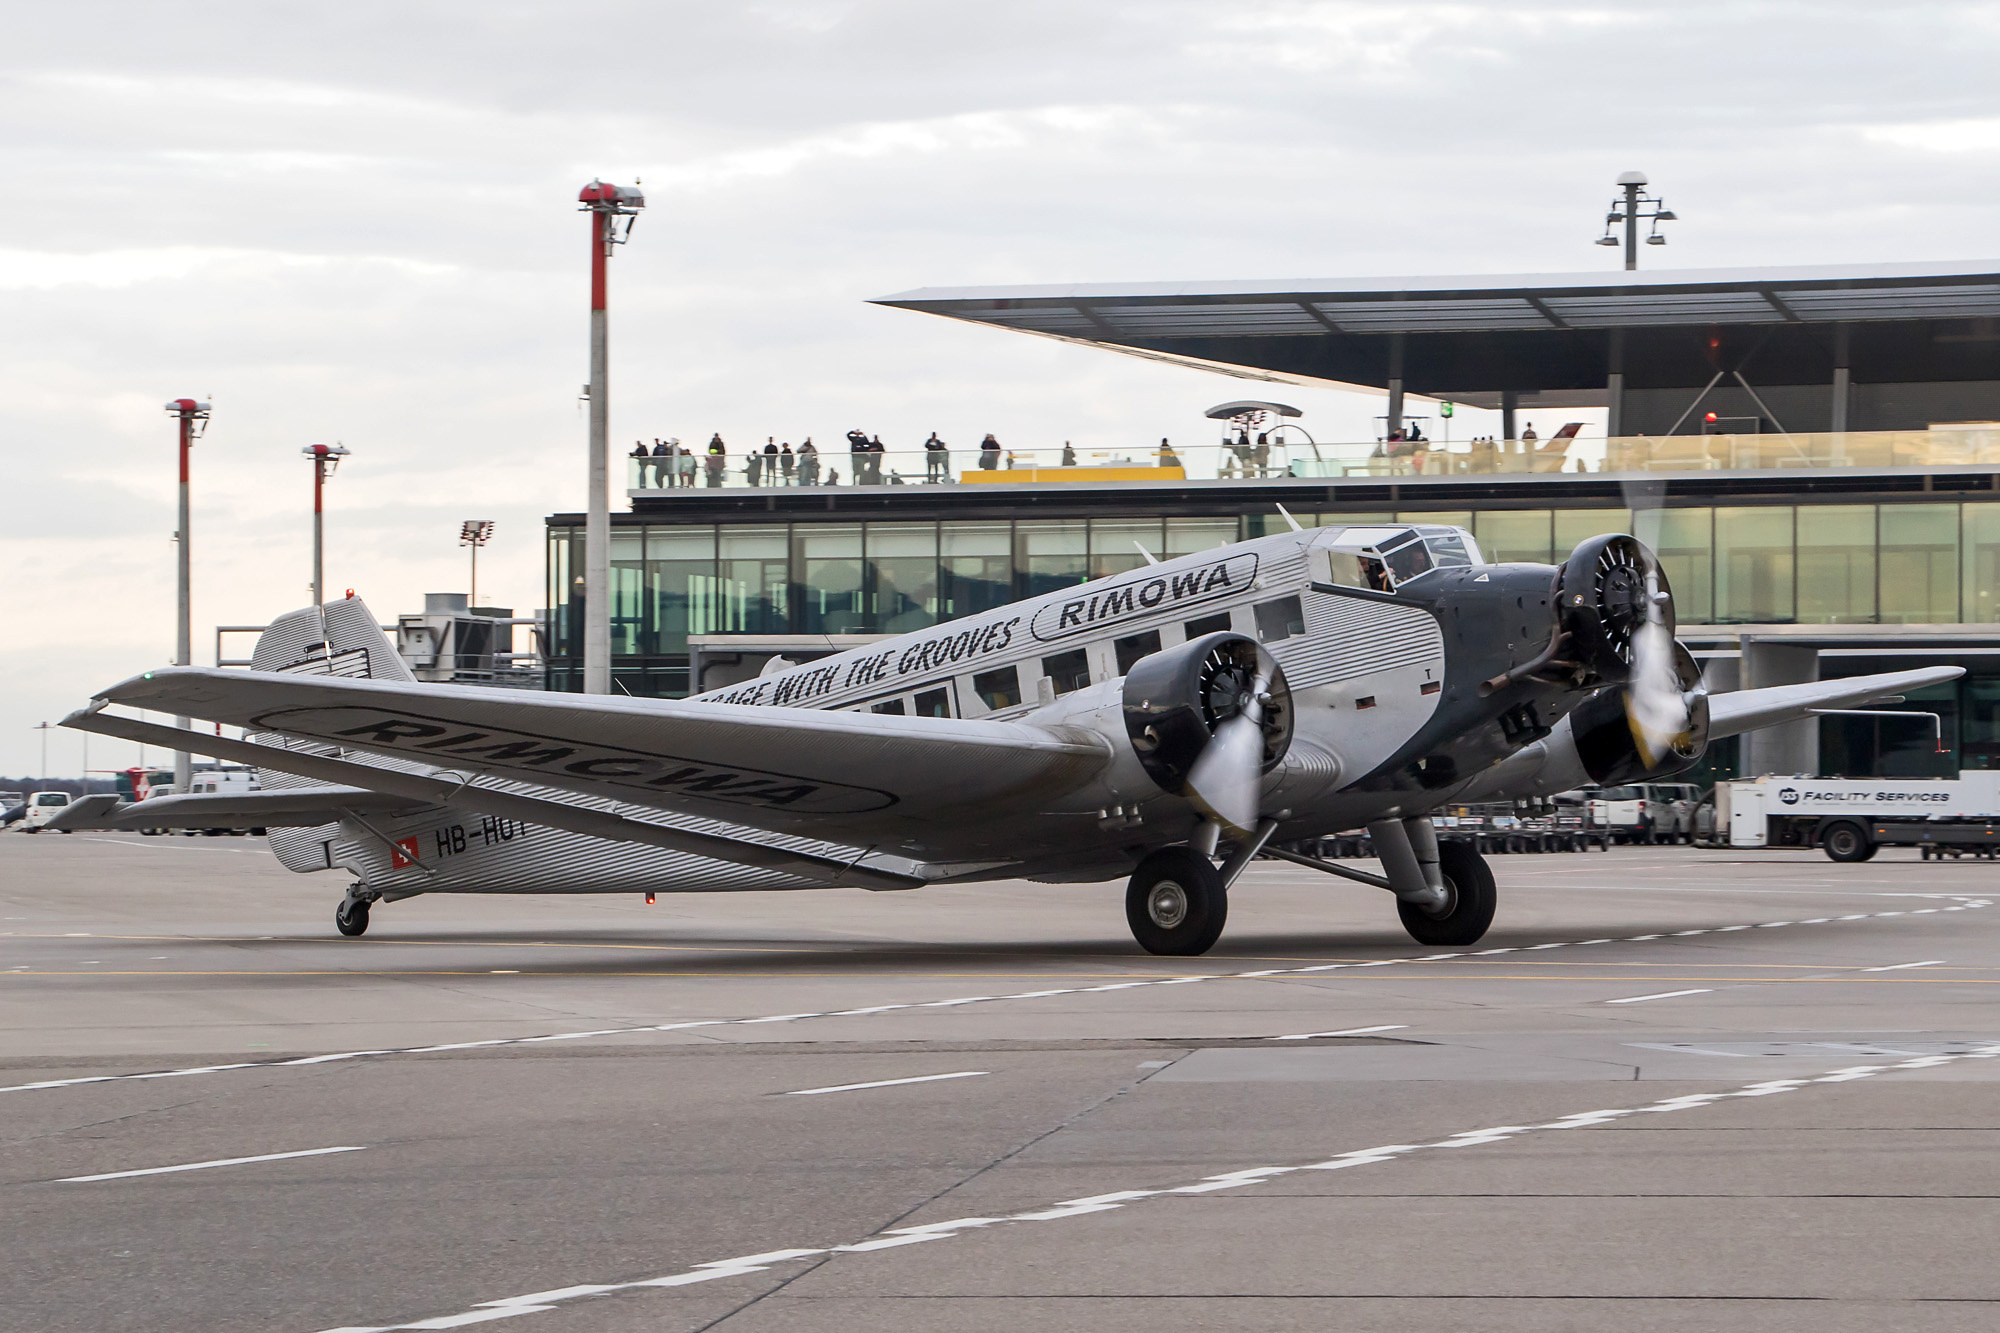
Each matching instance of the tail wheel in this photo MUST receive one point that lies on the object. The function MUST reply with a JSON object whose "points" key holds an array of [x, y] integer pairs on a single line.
{"points": [[1469, 911], [1176, 903]]}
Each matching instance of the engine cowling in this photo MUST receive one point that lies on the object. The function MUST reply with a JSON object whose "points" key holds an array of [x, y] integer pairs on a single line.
{"points": [[1176, 699], [1603, 596], [1607, 741]]}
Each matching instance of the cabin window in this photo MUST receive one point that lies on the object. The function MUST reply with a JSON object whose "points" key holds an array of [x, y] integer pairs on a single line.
{"points": [[1208, 625], [998, 688], [1135, 646], [1280, 618], [888, 706], [1069, 671], [934, 703], [1344, 568]]}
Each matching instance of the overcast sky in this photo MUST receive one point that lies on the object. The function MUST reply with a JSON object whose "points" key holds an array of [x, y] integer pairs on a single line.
{"points": [[356, 222]]}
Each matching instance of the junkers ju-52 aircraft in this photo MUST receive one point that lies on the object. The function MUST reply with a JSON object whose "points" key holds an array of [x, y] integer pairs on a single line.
{"points": [[1167, 725]]}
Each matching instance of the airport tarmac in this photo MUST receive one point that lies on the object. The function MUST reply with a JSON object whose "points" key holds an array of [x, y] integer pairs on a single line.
{"points": [[1672, 1089]]}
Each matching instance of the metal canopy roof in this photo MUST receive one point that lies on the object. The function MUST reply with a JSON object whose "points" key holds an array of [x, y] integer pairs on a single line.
{"points": [[1535, 331]]}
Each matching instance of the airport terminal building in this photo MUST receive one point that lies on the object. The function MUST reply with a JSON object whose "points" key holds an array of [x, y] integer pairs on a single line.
{"points": [[1814, 453]]}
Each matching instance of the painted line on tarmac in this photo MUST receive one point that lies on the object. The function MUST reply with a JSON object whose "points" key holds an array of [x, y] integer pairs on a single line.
{"points": [[1344, 1032], [894, 1238], [1898, 967], [1663, 995], [204, 1166], [888, 1083], [1963, 905]]}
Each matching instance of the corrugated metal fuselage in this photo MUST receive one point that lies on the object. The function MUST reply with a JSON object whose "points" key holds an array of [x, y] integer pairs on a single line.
{"points": [[1385, 690]]}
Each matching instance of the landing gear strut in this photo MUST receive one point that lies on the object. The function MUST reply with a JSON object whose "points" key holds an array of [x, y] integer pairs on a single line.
{"points": [[351, 917], [1444, 891], [1176, 903]]}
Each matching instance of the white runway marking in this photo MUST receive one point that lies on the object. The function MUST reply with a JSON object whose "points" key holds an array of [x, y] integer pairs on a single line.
{"points": [[897, 1237], [1898, 967], [203, 1166], [1663, 995], [888, 1083], [1344, 1032], [1962, 905]]}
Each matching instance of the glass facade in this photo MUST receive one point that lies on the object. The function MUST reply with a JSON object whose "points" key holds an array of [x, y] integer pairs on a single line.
{"points": [[1902, 563]]}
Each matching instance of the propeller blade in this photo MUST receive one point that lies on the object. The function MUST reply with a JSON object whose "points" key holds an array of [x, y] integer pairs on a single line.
{"points": [[1659, 711], [1226, 779]]}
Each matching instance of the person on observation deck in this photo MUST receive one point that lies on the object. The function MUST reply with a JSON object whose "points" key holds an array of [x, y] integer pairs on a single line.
{"points": [[787, 461], [857, 445], [639, 451], [808, 462], [937, 459], [989, 453], [718, 459]]}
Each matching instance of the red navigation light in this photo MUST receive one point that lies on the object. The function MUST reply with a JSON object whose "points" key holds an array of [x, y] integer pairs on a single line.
{"points": [[1711, 417]]}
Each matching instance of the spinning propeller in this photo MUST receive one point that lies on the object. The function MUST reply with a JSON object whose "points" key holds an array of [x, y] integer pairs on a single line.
{"points": [[1208, 719], [1225, 780], [1619, 610], [1662, 712]]}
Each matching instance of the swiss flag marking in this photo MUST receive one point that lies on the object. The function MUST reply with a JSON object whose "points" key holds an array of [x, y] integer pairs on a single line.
{"points": [[405, 853]]}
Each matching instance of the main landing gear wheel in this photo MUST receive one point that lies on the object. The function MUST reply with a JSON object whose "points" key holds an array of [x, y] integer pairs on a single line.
{"points": [[351, 917], [1176, 904], [1468, 913]]}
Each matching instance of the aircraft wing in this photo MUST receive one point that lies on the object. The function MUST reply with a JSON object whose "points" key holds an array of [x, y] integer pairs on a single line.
{"points": [[775, 768], [299, 807], [1747, 710]]}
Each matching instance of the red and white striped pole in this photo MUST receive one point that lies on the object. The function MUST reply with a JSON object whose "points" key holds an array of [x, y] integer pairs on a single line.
{"points": [[605, 204], [325, 458]]}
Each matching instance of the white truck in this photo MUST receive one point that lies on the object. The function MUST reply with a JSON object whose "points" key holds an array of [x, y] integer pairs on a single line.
{"points": [[1645, 811], [1850, 818], [223, 778]]}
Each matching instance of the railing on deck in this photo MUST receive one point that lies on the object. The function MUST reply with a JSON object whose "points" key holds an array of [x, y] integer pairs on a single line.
{"points": [[1210, 462]]}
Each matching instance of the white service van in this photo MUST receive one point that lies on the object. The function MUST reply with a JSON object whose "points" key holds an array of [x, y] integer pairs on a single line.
{"points": [[1645, 811], [42, 807]]}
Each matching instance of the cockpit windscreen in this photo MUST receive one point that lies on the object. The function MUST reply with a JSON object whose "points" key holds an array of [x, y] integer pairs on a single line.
{"points": [[1448, 548]]}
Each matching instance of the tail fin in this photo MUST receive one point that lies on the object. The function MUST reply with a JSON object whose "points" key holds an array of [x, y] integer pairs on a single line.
{"points": [[339, 639]]}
